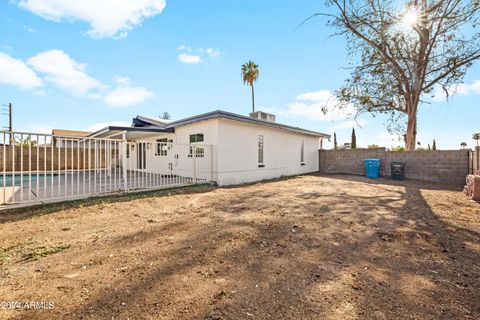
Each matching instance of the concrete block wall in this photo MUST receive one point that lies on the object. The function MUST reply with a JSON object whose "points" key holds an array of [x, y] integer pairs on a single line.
{"points": [[450, 166], [476, 161], [446, 166], [350, 161]]}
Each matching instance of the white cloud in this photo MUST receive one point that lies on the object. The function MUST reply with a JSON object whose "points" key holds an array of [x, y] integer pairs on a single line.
{"points": [[316, 96], [463, 89], [30, 29], [212, 52], [184, 48], [196, 55], [467, 89], [389, 140], [349, 124], [311, 105], [16, 73], [61, 70], [189, 58], [122, 81], [127, 96], [101, 125], [37, 128], [107, 18]]}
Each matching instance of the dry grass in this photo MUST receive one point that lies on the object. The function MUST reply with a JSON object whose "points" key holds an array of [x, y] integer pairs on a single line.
{"points": [[312, 247]]}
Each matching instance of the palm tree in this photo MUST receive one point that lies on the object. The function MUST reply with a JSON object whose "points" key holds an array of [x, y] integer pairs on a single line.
{"points": [[463, 145], [476, 136], [250, 74]]}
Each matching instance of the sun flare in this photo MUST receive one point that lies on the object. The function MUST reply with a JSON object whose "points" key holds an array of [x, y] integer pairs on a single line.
{"points": [[410, 18]]}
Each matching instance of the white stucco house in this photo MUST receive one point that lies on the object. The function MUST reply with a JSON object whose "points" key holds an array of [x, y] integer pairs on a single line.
{"points": [[228, 148]]}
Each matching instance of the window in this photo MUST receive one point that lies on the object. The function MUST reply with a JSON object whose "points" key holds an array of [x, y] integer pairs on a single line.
{"points": [[162, 147], [198, 137], [260, 151], [195, 141], [302, 153]]}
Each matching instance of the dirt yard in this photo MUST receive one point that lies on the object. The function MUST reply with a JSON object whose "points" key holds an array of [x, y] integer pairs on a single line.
{"points": [[312, 247]]}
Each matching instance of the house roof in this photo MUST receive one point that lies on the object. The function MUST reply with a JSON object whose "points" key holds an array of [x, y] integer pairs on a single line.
{"points": [[236, 117], [143, 121], [70, 133], [170, 127]]}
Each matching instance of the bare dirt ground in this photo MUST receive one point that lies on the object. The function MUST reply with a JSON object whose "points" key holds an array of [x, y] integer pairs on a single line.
{"points": [[311, 247]]}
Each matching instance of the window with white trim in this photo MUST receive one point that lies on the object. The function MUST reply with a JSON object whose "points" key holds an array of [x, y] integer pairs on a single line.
{"points": [[260, 151], [162, 147], [302, 153], [196, 141]]}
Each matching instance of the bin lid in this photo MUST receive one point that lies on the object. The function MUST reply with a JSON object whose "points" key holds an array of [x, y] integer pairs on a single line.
{"points": [[372, 159]]}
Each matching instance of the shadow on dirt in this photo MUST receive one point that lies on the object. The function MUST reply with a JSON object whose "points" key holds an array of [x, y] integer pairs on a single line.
{"points": [[296, 251], [16, 214]]}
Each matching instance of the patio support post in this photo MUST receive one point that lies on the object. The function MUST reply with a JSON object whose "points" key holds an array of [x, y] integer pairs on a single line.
{"points": [[124, 160], [194, 165], [211, 163]]}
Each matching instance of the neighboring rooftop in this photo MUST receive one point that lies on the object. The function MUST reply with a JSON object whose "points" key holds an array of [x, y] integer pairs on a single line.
{"points": [[70, 133]]}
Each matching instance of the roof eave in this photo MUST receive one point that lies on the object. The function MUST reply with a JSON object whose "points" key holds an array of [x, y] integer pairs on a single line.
{"points": [[233, 116]]}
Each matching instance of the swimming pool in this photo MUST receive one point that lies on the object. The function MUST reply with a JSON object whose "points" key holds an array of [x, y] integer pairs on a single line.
{"points": [[17, 178]]}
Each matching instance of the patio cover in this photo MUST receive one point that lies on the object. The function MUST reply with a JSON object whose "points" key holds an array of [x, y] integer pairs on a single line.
{"points": [[115, 132]]}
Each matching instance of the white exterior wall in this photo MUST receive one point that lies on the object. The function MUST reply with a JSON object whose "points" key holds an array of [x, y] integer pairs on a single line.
{"points": [[207, 165], [177, 156], [233, 152], [238, 153], [158, 164]]}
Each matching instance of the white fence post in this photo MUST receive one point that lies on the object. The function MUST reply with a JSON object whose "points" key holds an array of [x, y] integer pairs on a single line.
{"points": [[124, 161]]}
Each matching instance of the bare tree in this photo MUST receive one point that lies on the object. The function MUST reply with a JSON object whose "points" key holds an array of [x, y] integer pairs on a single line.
{"points": [[402, 51]]}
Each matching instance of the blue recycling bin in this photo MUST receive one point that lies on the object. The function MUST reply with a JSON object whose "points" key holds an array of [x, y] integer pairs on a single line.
{"points": [[372, 168]]}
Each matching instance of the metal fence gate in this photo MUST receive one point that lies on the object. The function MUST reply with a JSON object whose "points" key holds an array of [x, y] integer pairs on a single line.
{"points": [[36, 167]]}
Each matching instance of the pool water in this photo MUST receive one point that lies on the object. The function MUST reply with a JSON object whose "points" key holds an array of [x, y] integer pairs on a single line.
{"points": [[17, 178]]}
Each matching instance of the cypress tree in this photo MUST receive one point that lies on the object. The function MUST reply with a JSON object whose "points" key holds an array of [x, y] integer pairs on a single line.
{"points": [[335, 141], [354, 139], [434, 145]]}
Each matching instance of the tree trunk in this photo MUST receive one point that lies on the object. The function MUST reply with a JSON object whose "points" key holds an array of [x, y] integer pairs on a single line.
{"points": [[411, 135], [253, 99]]}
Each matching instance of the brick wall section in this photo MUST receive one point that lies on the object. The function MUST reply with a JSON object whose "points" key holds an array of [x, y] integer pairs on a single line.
{"points": [[449, 167], [473, 187]]}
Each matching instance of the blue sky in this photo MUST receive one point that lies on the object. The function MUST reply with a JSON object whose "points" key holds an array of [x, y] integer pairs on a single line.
{"points": [[85, 64]]}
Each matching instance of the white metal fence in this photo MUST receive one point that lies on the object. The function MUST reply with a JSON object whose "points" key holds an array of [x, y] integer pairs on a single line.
{"points": [[39, 167]]}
